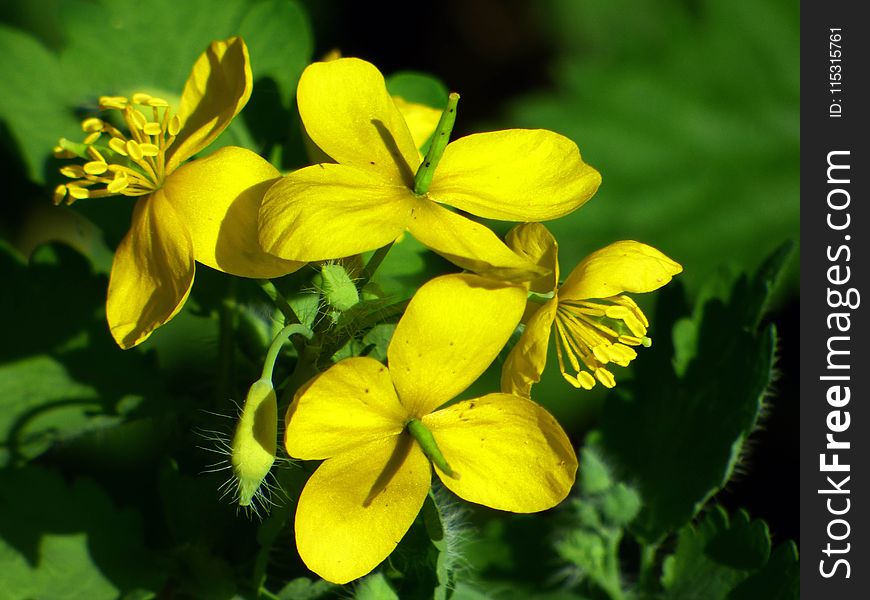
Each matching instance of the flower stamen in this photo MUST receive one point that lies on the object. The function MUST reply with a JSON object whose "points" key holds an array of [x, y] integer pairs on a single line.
{"points": [[131, 165], [595, 333]]}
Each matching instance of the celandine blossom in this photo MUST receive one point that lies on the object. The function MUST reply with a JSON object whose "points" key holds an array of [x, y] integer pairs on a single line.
{"points": [[595, 322], [205, 210], [376, 427], [368, 198]]}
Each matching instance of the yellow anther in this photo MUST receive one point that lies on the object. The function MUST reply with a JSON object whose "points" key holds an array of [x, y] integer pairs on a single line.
{"points": [[617, 312], [174, 125], [585, 379], [157, 102], [72, 171], [136, 119], [96, 167], [601, 353], [591, 311], [621, 354], [77, 192], [92, 137], [605, 377], [118, 184], [134, 150], [59, 194], [152, 128], [113, 102], [92, 124], [149, 149], [635, 325], [118, 146], [141, 98]]}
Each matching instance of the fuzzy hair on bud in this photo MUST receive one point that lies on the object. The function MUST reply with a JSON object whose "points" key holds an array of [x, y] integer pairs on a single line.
{"points": [[255, 441]]}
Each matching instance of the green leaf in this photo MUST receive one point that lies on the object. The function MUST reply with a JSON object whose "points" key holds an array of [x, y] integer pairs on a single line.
{"points": [[65, 376], [375, 587], [303, 588], [279, 41], [39, 404], [120, 47], [677, 436], [593, 529], [145, 48], [419, 88], [594, 476], [37, 111], [406, 267], [89, 549], [728, 558], [779, 579], [690, 110]]}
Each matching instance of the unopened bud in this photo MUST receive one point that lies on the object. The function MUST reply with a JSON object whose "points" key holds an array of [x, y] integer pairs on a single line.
{"points": [[256, 439]]}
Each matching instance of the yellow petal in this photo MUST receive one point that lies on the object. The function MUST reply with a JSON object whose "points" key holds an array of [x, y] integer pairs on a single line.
{"points": [[509, 453], [468, 244], [330, 211], [421, 119], [219, 85], [357, 506], [218, 197], [349, 114], [534, 242], [514, 175], [526, 361], [351, 403], [152, 272], [625, 266], [453, 328]]}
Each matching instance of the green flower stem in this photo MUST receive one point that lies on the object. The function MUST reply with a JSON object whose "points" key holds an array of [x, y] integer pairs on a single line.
{"points": [[264, 593], [278, 342], [429, 446], [373, 264], [440, 138], [647, 579], [613, 585], [333, 344], [280, 301]]}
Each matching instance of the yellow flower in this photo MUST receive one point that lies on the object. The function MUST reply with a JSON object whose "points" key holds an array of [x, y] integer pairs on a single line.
{"points": [[367, 200], [205, 210], [596, 323], [365, 420]]}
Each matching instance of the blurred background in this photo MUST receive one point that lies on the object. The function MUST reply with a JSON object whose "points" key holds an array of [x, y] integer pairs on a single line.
{"points": [[689, 108]]}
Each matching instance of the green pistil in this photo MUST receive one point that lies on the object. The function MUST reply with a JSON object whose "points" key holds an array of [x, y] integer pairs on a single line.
{"points": [[429, 446], [540, 298], [440, 138]]}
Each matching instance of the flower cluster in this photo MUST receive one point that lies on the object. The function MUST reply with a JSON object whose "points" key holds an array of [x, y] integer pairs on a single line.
{"points": [[380, 430]]}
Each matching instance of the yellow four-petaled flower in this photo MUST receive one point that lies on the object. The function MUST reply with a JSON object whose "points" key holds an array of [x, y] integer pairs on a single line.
{"points": [[204, 211], [367, 199], [595, 322], [504, 451]]}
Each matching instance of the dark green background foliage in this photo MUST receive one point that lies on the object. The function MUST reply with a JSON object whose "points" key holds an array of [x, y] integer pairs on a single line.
{"points": [[689, 108]]}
